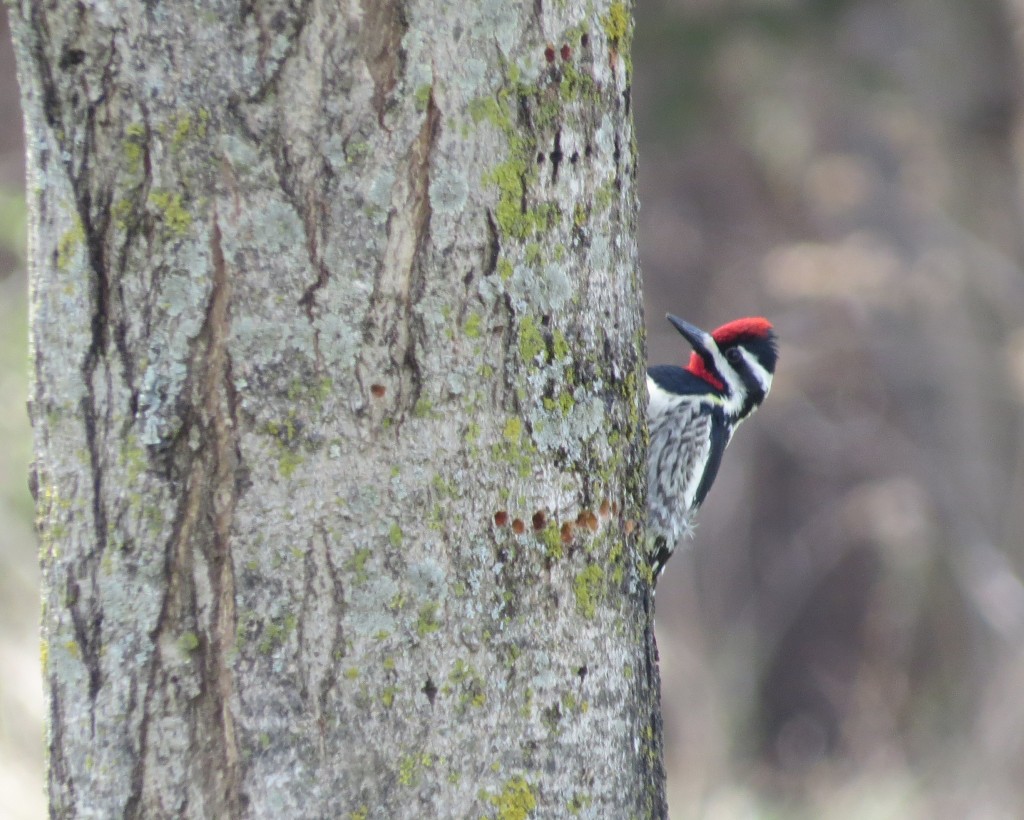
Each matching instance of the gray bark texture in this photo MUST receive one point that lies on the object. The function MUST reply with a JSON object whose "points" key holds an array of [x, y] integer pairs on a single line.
{"points": [[338, 404]]}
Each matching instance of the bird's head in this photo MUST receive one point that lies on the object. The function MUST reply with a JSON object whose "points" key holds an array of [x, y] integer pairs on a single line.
{"points": [[737, 360]]}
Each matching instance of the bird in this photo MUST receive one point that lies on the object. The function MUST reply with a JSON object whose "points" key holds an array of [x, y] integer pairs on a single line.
{"points": [[692, 413]]}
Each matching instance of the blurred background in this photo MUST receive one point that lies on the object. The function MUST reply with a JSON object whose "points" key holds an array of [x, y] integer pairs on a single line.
{"points": [[845, 639], [845, 636], [21, 694]]}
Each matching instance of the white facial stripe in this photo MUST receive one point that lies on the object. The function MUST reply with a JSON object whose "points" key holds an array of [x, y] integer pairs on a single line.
{"points": [[763, 377], [736, 392]]}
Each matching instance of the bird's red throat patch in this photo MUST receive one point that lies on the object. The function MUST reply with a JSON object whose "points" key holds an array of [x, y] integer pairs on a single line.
{"points": [[700, 370]]}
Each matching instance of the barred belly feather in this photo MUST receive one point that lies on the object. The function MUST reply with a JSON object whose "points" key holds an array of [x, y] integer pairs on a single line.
{"points": [[680, 447]]}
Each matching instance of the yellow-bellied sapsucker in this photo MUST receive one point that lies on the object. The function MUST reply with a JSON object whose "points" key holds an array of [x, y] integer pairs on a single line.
{"points": [[692, 412]]}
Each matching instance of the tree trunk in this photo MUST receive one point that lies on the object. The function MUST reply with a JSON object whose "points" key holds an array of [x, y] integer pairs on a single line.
{"points": [[338, 409]]}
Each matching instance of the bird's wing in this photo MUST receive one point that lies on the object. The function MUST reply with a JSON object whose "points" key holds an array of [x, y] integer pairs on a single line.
{"points": [[717, 440]]}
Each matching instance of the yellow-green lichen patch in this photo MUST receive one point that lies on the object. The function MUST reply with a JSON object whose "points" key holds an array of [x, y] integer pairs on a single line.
{"points": [[188, 642], [132, 457], [288, 462], [616, 23], [505, 269], [559, 345], [465, 682], [69, 243], [408, 774], [551, 537], [587, 589], [395, 536], [563, 403], [531, 340], [472, 327], [444, 487], [410, 767], [516, 800], [275, 633], [424, 409], [357, 151], [577, 85], [134, 146], [184, 128], [357, 565], [603, 196], [422, 96], [315, 393], [513, 176], [175, 218], [486, 109], [527, 708], [428, 621], [513, 430], [615, 560], [515, 447]]}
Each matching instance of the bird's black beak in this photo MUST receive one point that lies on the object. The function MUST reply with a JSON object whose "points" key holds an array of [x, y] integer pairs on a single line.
{"points": [[697, 338]]}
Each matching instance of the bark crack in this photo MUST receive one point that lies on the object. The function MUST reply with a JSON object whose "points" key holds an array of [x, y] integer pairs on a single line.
{"points": [[315, 222], [201, 542], [380, 41], [221, 411], [391, 323], [323, 605]]}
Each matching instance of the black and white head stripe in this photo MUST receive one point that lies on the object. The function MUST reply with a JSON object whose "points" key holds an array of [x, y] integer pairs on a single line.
{"points": [[737, 360]]}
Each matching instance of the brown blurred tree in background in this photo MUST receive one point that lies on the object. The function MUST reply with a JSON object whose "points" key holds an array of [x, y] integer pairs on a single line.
{"points": [[846, 636]]}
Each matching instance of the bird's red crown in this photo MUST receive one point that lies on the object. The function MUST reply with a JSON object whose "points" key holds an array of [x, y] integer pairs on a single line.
{"points": [[748, 327]]}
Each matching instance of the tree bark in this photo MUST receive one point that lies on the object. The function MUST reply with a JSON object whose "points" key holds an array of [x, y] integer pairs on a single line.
{"points": [[338, 409]]}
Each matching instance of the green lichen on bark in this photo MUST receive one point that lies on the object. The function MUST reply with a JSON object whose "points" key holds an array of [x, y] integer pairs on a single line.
{"points": [[171, 212], [587, 589], [515, 801]]}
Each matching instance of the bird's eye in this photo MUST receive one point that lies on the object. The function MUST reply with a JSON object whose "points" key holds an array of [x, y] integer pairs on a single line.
{"points": [[733, 354]]}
